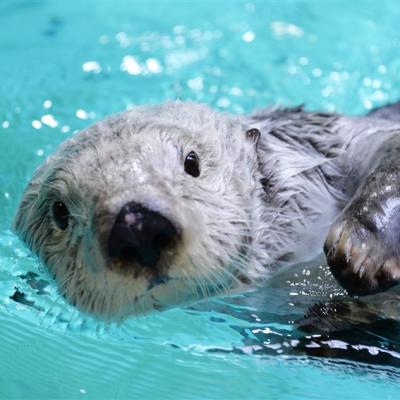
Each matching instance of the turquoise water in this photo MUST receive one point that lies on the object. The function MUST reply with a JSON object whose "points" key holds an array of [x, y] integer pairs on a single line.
{"points": [[65, 64]]}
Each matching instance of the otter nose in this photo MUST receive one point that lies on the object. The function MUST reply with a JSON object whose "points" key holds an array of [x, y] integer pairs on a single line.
{"points": [[140, 234]]}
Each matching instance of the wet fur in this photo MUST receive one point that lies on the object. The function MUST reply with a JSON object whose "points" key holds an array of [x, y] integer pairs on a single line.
{"points": [[255, 207]]}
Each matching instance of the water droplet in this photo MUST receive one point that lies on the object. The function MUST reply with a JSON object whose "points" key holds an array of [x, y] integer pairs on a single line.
{"points": [[281, 28], [49, 120], [382, 69], [248, 36], [91, 66], [153, 66], [223, 102], [36, 124], [367, 104], [131, 66], [235, 91], [123, 39], [196, 83], [317, 72], [82, 114], [367, 81]]}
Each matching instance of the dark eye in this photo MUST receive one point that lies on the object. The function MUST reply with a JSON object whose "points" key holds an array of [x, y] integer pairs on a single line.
{"points": [[192, 164], [60, 214]]}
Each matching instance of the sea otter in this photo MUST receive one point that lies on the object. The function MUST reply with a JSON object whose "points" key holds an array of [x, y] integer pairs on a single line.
{"points": [[165, 204]]}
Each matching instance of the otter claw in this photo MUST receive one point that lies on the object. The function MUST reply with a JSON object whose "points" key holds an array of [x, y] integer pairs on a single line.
{"points": [[389, 273], [359, 260], [333, 240]]}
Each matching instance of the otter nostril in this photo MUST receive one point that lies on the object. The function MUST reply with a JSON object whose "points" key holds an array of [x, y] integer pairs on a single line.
{"points": [[141, 235], [129, 253], [163, 241]]}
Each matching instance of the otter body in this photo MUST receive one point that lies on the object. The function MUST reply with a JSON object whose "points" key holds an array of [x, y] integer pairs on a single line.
{"points": [[167, 204], [321, 168]]}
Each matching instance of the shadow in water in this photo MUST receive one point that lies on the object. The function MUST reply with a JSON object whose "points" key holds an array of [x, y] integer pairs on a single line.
{"points": [[301, 312], [295, 317]]}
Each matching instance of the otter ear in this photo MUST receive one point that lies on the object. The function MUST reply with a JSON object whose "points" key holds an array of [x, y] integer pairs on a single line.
{"points": [[253, 135]]}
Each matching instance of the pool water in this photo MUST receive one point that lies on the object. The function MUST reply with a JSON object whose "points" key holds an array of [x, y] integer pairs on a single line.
{"points": [[64, 65]]}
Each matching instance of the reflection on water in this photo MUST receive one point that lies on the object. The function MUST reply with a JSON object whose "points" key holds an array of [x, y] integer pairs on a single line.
{"points": [[300, 312], [301, 324]]}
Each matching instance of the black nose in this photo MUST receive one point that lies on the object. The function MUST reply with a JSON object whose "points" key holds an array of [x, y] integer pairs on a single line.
{"points": [[140, 234]]}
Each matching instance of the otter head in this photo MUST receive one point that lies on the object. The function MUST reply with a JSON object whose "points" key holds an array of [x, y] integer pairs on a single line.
{"points": [[147, 209]]}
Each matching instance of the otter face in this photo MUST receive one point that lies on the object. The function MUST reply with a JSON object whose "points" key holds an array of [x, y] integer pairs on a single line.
{"points": [[145, 210]]}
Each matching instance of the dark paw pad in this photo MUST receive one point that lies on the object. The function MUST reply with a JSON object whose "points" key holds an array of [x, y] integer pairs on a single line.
{"points": [[359, 260]]}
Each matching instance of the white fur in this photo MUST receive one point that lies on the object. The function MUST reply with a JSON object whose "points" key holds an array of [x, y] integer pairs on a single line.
{"points": [[236, 228]]}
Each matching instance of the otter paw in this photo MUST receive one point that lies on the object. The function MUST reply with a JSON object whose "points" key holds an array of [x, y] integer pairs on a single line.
{"points": [[359, 259]]}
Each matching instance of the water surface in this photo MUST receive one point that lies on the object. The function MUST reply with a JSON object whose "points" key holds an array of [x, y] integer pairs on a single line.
{"points": [[65, 65]]}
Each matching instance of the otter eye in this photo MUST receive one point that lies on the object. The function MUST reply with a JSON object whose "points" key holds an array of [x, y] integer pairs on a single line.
{"points": [[192, 164], [60, 214]]}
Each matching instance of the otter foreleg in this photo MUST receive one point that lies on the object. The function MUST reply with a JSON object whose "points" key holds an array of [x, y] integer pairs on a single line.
{"points": [[363, 245]]}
